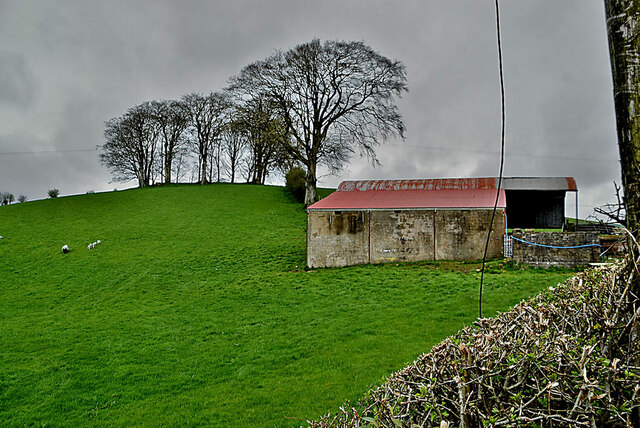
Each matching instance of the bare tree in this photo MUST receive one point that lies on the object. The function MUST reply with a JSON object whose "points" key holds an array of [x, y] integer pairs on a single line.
{"points": [[613, 212], [6, 198], [266, 134], [181, 165], [248, 169], [216, 157], [208, 114], [130, 145], [171, 119], [235, 143], [22, 198], [334, 97]]}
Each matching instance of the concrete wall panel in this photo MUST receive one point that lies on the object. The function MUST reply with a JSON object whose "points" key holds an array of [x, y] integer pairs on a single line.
{"points": [[356, 237], [337, 238], [462, 234], [401, 236]]}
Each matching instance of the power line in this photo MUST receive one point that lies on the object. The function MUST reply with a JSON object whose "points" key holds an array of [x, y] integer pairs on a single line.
{"points": [[502, 122], [36, 152], [443, 149]]}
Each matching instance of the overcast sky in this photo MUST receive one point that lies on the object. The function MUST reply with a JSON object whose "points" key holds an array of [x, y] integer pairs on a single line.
{"points": [[68, 66]]}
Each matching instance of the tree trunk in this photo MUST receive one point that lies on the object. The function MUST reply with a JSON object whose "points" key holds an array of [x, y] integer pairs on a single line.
{"points": [[624, 47], [203, 177], [310, 191], [178, 169], [167, 169], [211, 168], [218, 159], [140, 177], [199, 168], [257, 172], [623, 27]]}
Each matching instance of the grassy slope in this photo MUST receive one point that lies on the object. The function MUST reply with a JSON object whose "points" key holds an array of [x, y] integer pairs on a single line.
{"points": [[195, 310]]}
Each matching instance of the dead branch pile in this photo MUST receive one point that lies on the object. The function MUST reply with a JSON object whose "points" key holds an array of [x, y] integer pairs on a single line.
{"points": [[567, 357]]}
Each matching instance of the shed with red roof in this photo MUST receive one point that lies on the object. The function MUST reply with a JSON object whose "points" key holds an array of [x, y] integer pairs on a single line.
{"points": [[377, 221]]}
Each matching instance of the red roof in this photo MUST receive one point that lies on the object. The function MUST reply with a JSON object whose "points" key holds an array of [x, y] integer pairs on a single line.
{"points": [[508, 183], [435, 192], [423, 184], [389, 198]]}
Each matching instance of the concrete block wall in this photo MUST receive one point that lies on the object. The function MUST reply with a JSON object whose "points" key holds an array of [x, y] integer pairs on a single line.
{"points": [[462, 234], [343, 238], [402, 236], [565, 257], [338, 238]]}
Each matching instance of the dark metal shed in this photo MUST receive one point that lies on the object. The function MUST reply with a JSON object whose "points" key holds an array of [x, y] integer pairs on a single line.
{"points": [[538, 202]]}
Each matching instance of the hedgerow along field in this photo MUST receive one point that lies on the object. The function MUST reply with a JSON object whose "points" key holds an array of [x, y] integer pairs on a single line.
{"points": [[196, 309]]}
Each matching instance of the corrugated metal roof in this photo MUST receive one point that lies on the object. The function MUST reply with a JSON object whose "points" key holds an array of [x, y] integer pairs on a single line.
{"points": [[424, 184], [410, 198], [508, 183], [540, 183]]}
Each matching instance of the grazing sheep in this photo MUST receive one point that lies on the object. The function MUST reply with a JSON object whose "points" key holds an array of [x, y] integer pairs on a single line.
{"points": [[65, 249], [93, 245]]}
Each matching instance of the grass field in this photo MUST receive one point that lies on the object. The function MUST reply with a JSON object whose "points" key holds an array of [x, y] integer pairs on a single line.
{"points": [[196, 309]]}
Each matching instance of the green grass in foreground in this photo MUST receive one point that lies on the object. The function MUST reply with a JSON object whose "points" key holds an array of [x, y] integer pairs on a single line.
{"points": [[196, 309]]}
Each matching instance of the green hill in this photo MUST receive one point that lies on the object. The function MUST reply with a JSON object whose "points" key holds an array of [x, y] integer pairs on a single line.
{"points": [[196, 309]]}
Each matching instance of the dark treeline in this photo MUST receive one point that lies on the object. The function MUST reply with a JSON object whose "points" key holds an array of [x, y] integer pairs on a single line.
{"points": [[314, 105]]}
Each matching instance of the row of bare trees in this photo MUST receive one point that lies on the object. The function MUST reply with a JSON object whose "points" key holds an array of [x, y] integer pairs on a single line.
{"points": [[209, 136], [315, 104]]}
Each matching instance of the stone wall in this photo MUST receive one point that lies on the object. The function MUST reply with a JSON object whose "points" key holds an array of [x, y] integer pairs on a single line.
{"points": [[343, 238], [566, 257]]}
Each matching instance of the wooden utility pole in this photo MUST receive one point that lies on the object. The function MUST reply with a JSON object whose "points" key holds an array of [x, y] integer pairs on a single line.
{"points": [[623, 27]]}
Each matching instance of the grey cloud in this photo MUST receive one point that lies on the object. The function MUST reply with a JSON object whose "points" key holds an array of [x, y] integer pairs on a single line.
{"points": [[18, 88], [88, 61]]}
